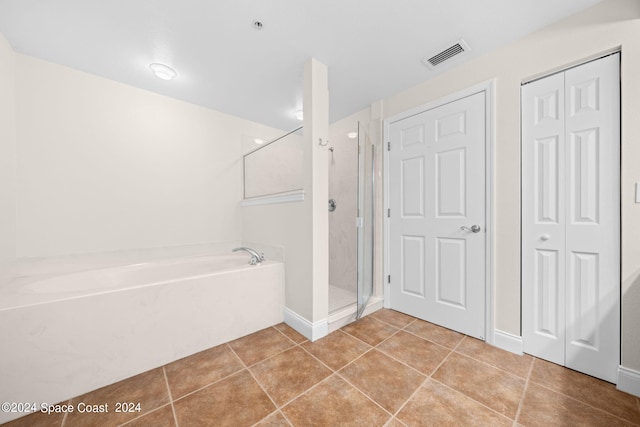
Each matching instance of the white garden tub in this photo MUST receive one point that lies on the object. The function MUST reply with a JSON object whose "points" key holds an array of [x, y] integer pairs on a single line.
{"points": [[65, 335]]}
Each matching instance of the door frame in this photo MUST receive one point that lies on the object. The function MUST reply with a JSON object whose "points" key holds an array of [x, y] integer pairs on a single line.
{"points": [[488, 87]]}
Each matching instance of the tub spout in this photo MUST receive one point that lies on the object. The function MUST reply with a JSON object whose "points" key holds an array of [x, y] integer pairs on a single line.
{"points": [[256, 258]]}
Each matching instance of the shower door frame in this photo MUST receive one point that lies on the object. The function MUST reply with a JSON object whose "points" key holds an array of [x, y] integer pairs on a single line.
{"points": [[362, 278]]}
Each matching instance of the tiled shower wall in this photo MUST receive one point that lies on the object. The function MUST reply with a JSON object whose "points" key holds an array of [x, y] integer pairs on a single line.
{"points": [[343, 187]]}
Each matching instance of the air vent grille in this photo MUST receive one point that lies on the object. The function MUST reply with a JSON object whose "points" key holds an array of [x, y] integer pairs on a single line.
{"points": [[455, 49]]}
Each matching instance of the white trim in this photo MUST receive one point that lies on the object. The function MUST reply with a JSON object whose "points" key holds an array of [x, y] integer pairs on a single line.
{"points": [[272, 199], [629, 381], [507, 341], [348, 315], [488, 87], [311, 330]]}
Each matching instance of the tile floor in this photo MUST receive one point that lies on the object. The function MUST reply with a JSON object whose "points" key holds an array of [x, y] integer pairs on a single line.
{"points": [[388, 369]]}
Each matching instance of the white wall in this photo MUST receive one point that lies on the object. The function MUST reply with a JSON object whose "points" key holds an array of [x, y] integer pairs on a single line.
{"points": [[302, 228], [7, 160], [103, 166], [606, 26]]}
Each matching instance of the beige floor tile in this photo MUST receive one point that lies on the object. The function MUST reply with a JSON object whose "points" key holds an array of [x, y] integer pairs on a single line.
{"points": [[37, 419], [201, 369], [162, 417], [370, 330], [592, 391], [516, 364], [293, 335], [274, 420], [495, 388], [260, 345], [236, 401], [546, 408], [149, 389], [334, 403], [384, 380], [394, 318], [289, 374], [336, 349], [437, 405], [437, 334], [416, 352]]}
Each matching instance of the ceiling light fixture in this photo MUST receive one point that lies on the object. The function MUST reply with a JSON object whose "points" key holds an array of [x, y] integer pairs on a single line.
{"points": [[163, 71], [299, 115], [258, 141], [352, 135]]}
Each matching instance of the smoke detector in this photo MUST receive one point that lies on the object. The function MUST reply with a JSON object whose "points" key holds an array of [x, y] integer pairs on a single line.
{"points": [[456, 49]]}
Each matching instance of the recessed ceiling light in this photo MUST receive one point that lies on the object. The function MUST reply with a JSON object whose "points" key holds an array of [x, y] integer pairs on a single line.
{"points": [[299, 115], [257, 24], [258, 141], [352, 135], [163, 72]]}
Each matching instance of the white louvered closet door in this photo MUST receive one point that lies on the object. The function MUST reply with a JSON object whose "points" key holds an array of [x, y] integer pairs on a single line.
{"points": [[571, 218]]}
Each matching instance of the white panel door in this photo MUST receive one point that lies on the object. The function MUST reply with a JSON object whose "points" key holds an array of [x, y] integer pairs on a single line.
{"points": [[437, 186], [571, 214], [543, 224]]}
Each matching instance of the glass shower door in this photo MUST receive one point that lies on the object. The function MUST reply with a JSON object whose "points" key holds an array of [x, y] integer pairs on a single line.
{"points": [[365, 219]]}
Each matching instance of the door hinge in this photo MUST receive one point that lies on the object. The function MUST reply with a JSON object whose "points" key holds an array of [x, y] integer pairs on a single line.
{"points": [[389, 278], [389, 213], [388, 145]]}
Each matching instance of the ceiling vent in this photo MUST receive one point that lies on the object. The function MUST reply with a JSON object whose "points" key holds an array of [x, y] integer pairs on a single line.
{"points": [[456, 49]]}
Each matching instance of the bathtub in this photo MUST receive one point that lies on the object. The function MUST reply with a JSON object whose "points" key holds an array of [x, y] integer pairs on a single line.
{"points": [[65, 335]]}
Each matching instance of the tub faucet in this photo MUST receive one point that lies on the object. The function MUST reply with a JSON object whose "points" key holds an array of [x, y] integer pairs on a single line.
{"points": [[256, 258]]}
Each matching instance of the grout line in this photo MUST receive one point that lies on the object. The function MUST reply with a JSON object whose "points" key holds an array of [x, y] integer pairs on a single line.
{"points": [[128, 422], [323, 364], [524, 391], [396, 420], [257, 382], [285, 417], [364, 394], [173, 409], [470, 356], [431, 341], [353, 336], [582, 402], [287, 336], [411, 397], [218, 380], [64, 417], [491, 366], [472, 399], [402, 362], [391, 324]]}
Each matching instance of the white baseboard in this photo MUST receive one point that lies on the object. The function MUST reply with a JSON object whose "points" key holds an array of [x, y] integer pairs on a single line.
{"points": [[629, 381], [507, 341], [311, 330]]}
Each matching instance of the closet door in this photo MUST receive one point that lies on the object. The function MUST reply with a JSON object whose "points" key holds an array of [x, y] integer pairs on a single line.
{"points": [[543, 218], [592, 93], [570, 218]]}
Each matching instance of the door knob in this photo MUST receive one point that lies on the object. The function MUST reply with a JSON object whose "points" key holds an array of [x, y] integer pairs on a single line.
{"points": [[545, 237], [473, 229]]}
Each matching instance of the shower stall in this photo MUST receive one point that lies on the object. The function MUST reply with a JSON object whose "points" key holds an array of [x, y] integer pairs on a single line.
{"points": [[351, 219]]}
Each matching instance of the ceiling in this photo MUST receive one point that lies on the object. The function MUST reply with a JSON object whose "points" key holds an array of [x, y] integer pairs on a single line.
{"points": [[372, 48]]}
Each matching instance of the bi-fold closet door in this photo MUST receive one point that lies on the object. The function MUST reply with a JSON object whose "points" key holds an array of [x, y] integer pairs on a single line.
{"points": [[571, 217]]}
